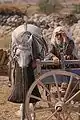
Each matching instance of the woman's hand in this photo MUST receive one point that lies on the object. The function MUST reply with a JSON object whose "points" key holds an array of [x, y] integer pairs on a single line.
{"points": [[55, 60], [67, 57]]}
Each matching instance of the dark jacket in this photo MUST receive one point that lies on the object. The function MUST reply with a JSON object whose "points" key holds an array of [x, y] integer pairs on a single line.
{"points": [[67, 48]]}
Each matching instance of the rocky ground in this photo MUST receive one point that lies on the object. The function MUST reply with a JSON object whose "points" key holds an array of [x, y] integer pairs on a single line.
{"points": [[7, 109]]}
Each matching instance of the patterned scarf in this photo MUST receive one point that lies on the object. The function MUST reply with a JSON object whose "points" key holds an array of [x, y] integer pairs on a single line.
{"points": [[62, 47]]}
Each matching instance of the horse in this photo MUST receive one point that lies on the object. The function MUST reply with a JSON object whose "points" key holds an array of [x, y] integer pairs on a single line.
{"points": [[22, 63]]}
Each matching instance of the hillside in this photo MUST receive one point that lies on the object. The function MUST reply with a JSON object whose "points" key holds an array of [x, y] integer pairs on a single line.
{"points": [[27, 1], [36, 1], [62, 1]]}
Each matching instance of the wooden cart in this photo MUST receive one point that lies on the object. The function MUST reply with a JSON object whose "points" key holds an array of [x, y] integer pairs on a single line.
{"points": [[60, 93]]}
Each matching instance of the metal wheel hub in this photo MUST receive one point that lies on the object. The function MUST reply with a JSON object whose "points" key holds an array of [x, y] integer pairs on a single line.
{"points": [[59, 106]]}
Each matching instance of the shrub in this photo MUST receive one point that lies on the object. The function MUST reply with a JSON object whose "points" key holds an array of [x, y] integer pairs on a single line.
{"points": [[49, 6], [76, 8]]}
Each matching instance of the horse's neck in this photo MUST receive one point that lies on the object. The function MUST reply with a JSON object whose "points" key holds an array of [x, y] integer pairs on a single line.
{"points": [[25, 26]]}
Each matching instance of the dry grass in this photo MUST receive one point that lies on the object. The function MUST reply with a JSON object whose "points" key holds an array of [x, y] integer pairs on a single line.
{"points": [[5, 41], [18, 8], [7, 109], [33, 9]]}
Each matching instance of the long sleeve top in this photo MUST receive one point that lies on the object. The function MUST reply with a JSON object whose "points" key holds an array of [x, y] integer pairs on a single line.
{"points": [[67, 48]]}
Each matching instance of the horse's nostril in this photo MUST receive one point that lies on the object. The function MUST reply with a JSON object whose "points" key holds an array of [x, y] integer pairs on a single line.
{"points": [[18, 55]]}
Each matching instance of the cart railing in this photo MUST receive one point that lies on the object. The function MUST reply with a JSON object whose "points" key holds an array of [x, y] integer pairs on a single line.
{"points": [[63, 64]]}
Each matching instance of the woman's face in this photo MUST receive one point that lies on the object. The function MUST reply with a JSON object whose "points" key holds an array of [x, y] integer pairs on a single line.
{"points": [[59, 36]]}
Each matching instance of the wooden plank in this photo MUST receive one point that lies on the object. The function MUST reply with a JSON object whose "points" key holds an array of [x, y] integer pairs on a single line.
{"points": [[47, 62], [50, 62], [72, 62]]}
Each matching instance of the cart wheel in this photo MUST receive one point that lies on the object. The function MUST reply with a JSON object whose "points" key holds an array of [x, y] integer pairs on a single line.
{"points": [[56, 104]]}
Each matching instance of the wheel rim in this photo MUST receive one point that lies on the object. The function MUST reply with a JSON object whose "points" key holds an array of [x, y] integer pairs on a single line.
{"points": [[57, 108]]}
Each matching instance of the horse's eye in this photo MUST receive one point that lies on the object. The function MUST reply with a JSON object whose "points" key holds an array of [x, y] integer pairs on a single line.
{"points": [[17, 55]]}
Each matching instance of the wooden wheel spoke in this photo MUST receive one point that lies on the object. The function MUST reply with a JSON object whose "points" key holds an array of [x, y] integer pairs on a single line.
{"points": [[40, 99], [59, 96], [68, 88], [40, 83], [72, 97], [44, 109], [53, 114], [47, 90], [73, 90]]}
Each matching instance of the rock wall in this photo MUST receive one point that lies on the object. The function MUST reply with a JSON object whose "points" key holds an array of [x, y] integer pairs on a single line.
{"points": [[47, 23]]}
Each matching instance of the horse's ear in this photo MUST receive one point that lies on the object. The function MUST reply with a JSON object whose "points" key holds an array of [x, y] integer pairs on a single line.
{"points": [[35, 48], [45, 44], [41, 46]]}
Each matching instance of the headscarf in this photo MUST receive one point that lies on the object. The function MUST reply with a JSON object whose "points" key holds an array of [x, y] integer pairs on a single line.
{"points": [[60, 29]]}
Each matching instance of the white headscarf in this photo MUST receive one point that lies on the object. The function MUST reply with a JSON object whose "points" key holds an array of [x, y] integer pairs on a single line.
{"points": [[60, 29]]}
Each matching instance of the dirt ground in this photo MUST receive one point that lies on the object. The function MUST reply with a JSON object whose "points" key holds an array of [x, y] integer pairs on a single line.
{"points": [[7, 109]]}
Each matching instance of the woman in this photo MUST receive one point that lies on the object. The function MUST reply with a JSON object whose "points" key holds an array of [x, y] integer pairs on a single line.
{"points": [[60, 42]]}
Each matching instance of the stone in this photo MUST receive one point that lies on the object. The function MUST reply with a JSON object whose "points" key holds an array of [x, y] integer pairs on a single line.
{"points": [[13, 19]]}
